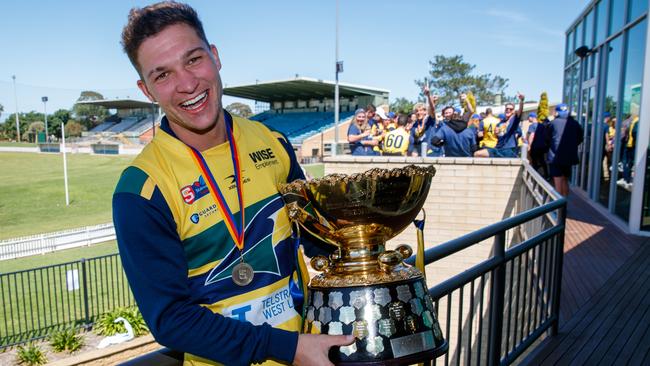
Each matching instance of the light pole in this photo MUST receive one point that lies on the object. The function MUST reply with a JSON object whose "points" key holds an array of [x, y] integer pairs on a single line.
{"points": [[16, 100], [65, 165], [47, 138], [339, 68]]}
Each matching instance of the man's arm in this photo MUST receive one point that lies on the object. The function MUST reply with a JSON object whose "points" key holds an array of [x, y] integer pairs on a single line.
{"points": [[154, 262], [431, 99]]}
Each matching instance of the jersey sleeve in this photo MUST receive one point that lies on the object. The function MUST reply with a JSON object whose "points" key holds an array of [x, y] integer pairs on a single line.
{"points": [[154, 262]]}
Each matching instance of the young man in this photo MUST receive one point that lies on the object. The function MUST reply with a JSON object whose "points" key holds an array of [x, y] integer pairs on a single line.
{"points": [[487, 130], [203, 233], [538, 144], [458, 140], [425, 120], [396, 141], [507, 130], [564, 134]]}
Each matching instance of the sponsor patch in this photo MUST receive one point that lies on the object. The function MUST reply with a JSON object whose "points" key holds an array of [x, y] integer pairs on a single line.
{"points": [[194, 191]]}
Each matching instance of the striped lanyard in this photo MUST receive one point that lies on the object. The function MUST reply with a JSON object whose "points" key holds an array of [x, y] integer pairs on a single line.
{"points": [[235, 229]]}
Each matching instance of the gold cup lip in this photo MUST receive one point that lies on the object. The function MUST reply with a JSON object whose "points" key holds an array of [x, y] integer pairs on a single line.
{"points": [[374, 173]]}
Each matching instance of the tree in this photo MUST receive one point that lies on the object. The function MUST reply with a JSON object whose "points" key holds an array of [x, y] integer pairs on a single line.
{"points": [[8, 128], [402, 105], [73, 129], [58, 118], [451, 76], [239, 109], [89, 115], [542, 108]]}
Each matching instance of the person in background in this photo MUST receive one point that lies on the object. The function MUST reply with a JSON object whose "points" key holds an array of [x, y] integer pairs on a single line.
{"points": [[507, 134], [396, 141], [538, 145], [424, 121], [564, 134], [487, 130], [359, 135], [454, 136]]}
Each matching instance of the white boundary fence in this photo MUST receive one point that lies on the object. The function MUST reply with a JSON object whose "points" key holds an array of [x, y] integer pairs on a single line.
{"points": [[50, 242]]}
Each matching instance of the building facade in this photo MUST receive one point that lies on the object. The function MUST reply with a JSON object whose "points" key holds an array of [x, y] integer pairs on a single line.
{"points": [[606, 75]]}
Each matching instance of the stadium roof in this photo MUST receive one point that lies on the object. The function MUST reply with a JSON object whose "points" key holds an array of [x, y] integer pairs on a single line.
{"points": [[119, 103], [298, 88]]}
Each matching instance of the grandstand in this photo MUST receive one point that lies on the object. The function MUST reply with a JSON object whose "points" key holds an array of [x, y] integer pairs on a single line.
{"points": [[133, 120], [303, 109]]}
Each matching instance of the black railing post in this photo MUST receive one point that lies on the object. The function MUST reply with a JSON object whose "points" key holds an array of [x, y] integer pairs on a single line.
{"points": [[84, 282], [497, 293], [557, 286]]}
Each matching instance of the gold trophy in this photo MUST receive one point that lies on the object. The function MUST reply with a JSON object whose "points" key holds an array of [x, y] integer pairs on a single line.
{"points": [[364, 289]]}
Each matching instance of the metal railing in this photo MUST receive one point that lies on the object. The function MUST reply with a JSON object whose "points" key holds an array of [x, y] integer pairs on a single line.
{"points": [[492, 312], [49, 242], [40, 301]]}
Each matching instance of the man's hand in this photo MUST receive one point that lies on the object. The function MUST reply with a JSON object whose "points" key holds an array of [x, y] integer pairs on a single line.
{"points": [[313, 348], [425, 90], [521, 97], [435, 98]]}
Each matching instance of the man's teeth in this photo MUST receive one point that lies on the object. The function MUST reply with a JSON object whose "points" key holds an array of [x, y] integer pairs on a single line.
{"points": [[195, 100]]}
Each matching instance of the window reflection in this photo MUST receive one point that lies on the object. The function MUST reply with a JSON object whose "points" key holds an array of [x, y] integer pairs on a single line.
{"points": [[601, 21], [637, 7], [616, 16], [630, 110], [609, 119]]}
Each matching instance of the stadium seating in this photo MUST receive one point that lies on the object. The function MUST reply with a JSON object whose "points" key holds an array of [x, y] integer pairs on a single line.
{"points": [[124, 124], [299, 125]]}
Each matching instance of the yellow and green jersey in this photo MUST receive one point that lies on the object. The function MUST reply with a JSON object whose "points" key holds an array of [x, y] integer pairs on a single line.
{"points": [[490, 133], [178, 254], [396, 142]]}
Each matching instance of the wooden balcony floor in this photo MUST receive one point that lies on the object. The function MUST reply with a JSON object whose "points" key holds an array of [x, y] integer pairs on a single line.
{"points": [[605, 299]]}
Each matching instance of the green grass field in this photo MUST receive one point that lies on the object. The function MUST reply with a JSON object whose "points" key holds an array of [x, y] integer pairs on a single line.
{"points": [[32, 196], [62, 256], [16, 144]]}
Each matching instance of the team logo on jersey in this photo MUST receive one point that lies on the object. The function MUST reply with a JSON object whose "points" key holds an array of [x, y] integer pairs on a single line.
{"points": [[194, 191], [263, 158], [231, 180], [260, 244], [195, 218]]}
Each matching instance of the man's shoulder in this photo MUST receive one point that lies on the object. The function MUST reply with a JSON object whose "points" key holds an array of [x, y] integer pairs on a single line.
{"points": [[136, 181]]}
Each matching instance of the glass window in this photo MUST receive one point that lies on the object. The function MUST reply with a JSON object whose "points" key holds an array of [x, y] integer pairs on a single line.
{"points": [[608, 131], [637, 7], [567, 87], [580, 34], [574, 88], [630, 108], [601, 21], [589, 29], [570, 47], [616, 16]]}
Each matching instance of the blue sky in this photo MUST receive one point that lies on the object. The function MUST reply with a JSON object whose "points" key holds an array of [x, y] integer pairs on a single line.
{"points": [[59, 48]]}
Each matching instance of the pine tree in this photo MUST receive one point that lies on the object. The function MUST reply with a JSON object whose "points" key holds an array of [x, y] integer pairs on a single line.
{"points": [[542, 108]]}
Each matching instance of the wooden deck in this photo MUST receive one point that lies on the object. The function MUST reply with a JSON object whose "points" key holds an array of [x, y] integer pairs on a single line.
{"points": [[605, 300]]}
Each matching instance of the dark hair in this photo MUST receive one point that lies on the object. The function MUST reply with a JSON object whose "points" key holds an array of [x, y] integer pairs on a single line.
{"points": [[447, 107], [402, 120], [371, 108], [488, 111], [153, 19]]}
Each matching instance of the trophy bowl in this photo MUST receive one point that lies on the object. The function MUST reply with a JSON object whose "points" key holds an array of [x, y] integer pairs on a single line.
{"points": [[364, 289]]}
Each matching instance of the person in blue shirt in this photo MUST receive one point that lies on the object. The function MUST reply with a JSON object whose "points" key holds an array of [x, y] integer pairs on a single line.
{"points": [[564, 135], [507, 134], [361, 142], [425, 119], [454, 136]]}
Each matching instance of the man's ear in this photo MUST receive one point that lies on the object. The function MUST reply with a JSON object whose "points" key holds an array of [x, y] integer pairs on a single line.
{"points": [[215, 54], [143, 87]]}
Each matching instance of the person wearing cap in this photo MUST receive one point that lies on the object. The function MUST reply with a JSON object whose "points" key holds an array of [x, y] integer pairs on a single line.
{"points": [[359, 135], [564, 134], [474, 121], [507, 131], [537, 144], [487, 130]]}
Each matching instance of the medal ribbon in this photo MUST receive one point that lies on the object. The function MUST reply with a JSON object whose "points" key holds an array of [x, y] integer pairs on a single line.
{"points": [[235, 229]]}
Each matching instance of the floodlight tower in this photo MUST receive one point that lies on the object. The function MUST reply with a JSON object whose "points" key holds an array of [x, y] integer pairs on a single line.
{"points": [[339, 68]]}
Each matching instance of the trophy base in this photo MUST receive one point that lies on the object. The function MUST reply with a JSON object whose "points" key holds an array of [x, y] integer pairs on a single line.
{"points": [[406, 360], [394, 323]]}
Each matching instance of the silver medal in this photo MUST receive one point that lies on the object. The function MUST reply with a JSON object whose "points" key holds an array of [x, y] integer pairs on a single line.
{"points": [[242, 274]]}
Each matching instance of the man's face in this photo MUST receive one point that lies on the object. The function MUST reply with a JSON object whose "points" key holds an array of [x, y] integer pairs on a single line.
{"points": [[532, 119], [360, 118], [370, 115], [421, 112], [510, 109], [181, 72], [447, 113]]}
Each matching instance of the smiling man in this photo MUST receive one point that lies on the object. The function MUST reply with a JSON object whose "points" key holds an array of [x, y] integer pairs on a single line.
{"points": [[202, 230]]}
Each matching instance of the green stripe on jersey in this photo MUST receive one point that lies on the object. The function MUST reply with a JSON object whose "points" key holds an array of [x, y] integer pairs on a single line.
{"points": [[131, 181]]}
